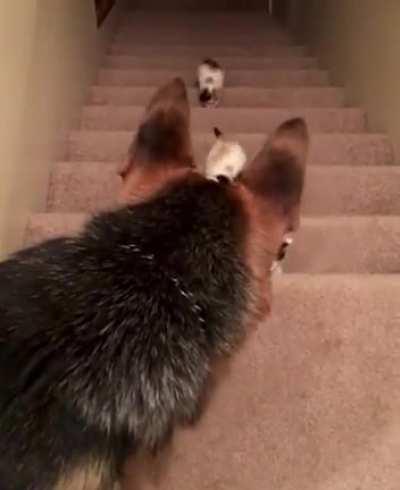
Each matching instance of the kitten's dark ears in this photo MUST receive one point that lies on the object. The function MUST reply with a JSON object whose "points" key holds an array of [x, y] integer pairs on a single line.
{"points": [[164, 134], [277, 172]]}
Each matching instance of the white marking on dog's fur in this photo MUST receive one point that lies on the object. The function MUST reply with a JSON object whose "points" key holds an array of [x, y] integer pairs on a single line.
{"points": [[226, 158]]}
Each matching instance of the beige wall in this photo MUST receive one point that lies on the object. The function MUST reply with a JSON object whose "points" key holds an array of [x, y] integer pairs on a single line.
{"points": [[359, 42], [49, 55]]}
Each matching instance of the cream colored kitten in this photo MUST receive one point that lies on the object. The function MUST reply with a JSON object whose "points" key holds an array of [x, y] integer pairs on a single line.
{"points": [[210, 79], [225, 159]]}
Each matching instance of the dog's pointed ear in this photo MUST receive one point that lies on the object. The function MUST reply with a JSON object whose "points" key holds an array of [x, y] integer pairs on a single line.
{"points": [[277, 172], [163, 137]]}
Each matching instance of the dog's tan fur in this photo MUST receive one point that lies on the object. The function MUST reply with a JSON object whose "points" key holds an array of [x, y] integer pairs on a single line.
{"points": [[91, 477]]}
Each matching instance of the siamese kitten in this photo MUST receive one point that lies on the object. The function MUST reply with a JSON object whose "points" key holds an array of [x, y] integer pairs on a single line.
{"points": [[226, 159], [210, 79]]}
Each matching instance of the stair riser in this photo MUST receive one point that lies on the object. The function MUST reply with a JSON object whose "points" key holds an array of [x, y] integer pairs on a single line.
{"points": [[197, 52], [202, 38], [250, 78], [367, 245], [228, 63], [315, 248], [231, 97], [211, 18], [329, 191], [325, 149], [52, 225], [204, 25], [230, 120]]}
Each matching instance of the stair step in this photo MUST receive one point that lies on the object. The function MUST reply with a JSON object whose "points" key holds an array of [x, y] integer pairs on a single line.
{"points": [[202, 27], [199, 51], [330, 190], [319, 239], [315, 249], [45, 226], [311, 400], [231, 97], [178, 18], [248, 120], [207, 44], [326, 149], [202, 37], [250, 78], [228, 62], [204, 41]]}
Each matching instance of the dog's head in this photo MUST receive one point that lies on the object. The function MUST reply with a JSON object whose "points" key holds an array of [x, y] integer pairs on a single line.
{"points": [[268, 190]]}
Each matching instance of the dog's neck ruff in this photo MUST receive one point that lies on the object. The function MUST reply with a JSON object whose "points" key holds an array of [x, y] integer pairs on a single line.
{"points": [[175, 280]]}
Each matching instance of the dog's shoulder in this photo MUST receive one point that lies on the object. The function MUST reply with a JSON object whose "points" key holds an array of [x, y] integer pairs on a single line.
{"points": [[184, 229]]}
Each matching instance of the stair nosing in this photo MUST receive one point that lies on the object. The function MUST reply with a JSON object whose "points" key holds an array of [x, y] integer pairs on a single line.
{"points": [[233, 108], [304, 220], [197, 134], [316, 167]]}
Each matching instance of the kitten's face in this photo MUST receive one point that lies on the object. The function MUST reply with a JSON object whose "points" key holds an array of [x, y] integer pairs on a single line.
{"points": [[226, 159], [205, 97], [210, 81], [208, 97]]}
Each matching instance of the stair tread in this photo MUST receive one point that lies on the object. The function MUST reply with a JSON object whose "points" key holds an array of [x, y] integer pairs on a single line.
{"points": [[326, 148], [198, 51], [203, 39], [314, 393], [231, 119], [240, 96], [88, 186], [315, 248], [275, 77], [225, 46], [228, 62]]}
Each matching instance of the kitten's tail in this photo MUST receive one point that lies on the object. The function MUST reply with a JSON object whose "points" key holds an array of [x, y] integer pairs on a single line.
{"points": [[217, 132]]}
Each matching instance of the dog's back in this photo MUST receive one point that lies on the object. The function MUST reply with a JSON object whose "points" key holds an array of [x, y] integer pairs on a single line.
{"points": [[157, 284], [107, 339]]}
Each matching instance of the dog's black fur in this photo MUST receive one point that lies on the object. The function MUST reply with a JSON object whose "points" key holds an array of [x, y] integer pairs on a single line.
{"points": [[107, 338]]}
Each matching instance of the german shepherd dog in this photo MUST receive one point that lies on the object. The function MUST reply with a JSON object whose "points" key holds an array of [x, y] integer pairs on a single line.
{"points": [[108, 339]]}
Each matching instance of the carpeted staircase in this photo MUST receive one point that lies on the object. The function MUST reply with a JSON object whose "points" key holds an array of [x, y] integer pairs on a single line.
{"points": [[313, 400]]}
